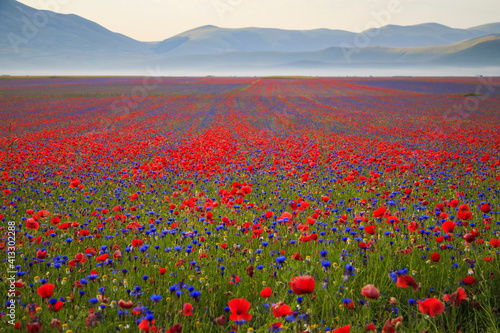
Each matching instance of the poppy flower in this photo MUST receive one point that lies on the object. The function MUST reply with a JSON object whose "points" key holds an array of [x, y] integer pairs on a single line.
{"points": [[457, 297], [45, 290], [117, 254], [31, 224], [280, 309], [102, 257], [343, 329], [162, 270], [405, 281], [302, 284], [125, 305], [34, 327], [276, 327], [137, 242], [448, 226], [239, 309], [495, 242], [234, 279], [41, 254], [56, 307], [370, 229], [435, 257], [431, 306], [469, 237], [379, 211], [469, 280], [266, 292], [370, 291], [485, 208], [177, 328], [186, 309]]}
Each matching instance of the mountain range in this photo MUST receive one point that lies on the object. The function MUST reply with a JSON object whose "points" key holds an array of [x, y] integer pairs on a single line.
{"points": [[40, 41]]}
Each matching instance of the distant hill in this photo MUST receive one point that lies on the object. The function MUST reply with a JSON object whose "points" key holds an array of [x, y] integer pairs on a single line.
{"points": [[44, 42], [211, 39], [476, 52], [40, 32], [492, 28]]}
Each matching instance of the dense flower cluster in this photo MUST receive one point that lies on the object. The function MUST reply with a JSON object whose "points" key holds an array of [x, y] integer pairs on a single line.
{"points": [[241, 204]]}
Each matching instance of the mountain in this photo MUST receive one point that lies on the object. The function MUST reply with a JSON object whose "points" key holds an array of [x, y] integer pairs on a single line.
{"points": [[31, 32], [492, 28], [43, 42], [212, 39], [476, 52]]}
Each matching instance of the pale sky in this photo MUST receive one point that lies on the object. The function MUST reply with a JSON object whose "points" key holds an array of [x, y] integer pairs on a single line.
{"points": [[154, 20]]}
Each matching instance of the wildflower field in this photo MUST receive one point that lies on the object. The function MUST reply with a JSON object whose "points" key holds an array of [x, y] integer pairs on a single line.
{"points": [[250, 204]]}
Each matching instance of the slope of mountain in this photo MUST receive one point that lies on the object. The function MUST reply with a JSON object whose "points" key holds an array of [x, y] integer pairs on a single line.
{"points": [[211, 39], [40, 32], [492, 28]]}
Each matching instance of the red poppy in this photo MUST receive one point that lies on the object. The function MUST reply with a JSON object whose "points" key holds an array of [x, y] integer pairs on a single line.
{"points": [[31, 224], [41, 254], [297, 256], [302, 284], [45, 290], [144, 326], [280, 309], [431, 306], [343, 329], [125, 305], [464, 215], [275, 327], [34, 327], [371, 327], [449, 226], [186, 309], [117, 254], [137, 242], [177, 328], [266, 292], [56, 307], [102, 257], [234, 279], [485, 208], [405, 281], [435, 257], [469, 237], [370, 291], [162, 270], [379, 211], [469, 280], [239, 309], [495, 242], [457, 297], [370, 229]]}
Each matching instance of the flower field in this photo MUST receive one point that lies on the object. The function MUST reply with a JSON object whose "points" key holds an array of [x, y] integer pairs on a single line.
{"points": [[250, 204]]}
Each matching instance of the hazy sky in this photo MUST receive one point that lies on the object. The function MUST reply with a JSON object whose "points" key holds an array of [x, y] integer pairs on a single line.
{"points": [[152, 20]]}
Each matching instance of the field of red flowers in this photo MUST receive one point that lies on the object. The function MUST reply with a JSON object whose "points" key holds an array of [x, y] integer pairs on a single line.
{"points": [[250, 204]]}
